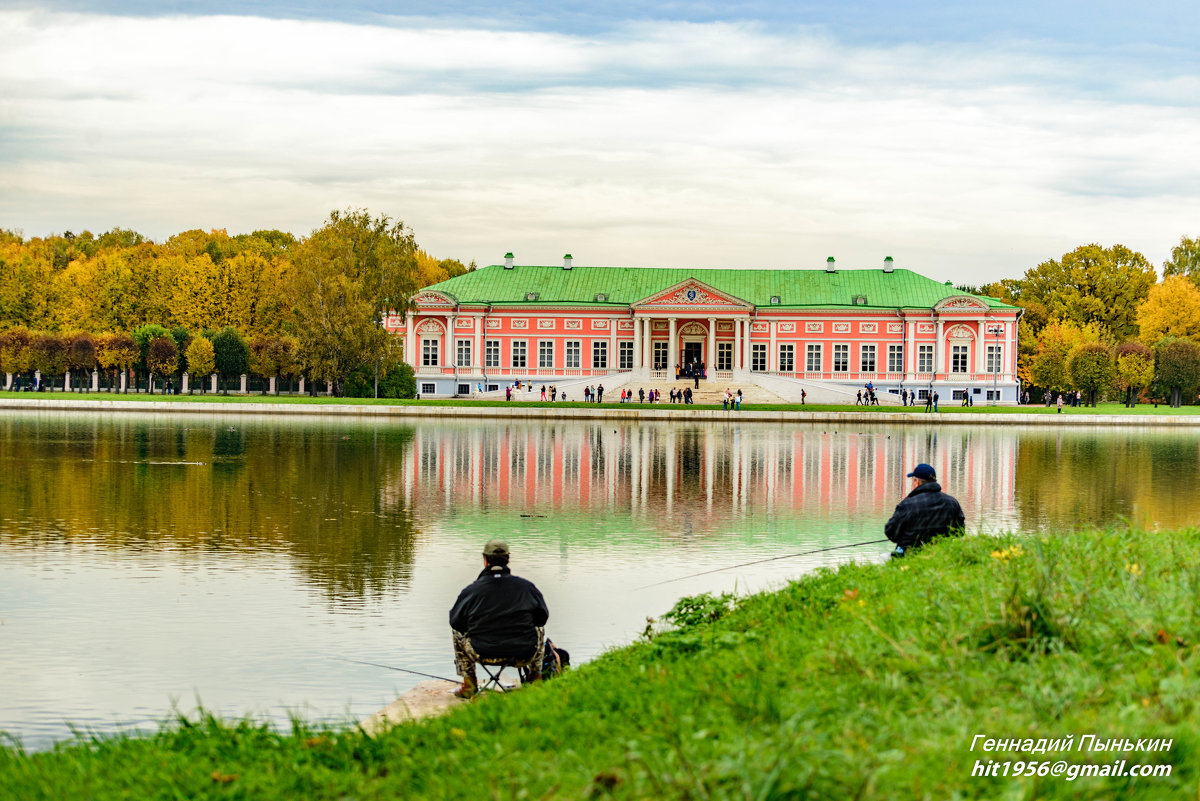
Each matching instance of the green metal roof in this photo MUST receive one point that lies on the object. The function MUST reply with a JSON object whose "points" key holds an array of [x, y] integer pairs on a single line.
{"points": [[901, 289]]}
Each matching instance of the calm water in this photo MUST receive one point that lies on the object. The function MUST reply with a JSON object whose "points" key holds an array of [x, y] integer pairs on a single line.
{"points": [[156, 561]]}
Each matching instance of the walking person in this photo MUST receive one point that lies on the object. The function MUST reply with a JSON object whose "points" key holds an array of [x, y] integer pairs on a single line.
{"points": [[935, 400]]}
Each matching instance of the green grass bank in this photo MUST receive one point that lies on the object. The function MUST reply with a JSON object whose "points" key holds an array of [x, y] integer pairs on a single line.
{"points": [[870, 681]]}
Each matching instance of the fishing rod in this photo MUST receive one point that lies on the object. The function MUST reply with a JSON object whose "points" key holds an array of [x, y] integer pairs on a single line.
{"points": [[402, 670], [760, 561]]}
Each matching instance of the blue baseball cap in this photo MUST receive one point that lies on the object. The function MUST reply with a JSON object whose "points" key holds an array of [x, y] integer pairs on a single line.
{"points": [[923, 472]]}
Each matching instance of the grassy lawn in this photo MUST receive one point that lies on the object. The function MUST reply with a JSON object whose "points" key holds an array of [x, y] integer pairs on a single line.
{"points": [[952, 408], [870, 681]]}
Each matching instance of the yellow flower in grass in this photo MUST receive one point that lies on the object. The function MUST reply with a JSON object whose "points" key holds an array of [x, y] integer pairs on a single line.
{"points": [[1134, 568], [1004, 554]]}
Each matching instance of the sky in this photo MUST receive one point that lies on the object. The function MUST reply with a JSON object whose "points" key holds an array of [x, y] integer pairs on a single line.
{"points": [[968, 141]]}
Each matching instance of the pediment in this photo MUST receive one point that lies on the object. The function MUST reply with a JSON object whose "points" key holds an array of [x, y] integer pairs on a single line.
{"points": [[692, 294], [430, 298], [961, 303]]}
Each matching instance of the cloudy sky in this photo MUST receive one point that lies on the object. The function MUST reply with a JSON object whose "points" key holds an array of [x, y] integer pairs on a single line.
{"points": [[968, 141]]}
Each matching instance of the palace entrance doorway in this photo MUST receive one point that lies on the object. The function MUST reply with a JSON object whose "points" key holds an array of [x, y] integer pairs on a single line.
{"points": [[693, 355]]}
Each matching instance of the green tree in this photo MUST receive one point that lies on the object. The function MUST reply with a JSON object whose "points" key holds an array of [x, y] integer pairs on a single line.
{"points": [[347, 274], [1092, 369], [1089, 285], [1185, 260], [1135, 370], [231, 355], [1176, 369], [200, 360], [163, 358], [143, 335], [1172, 309]]}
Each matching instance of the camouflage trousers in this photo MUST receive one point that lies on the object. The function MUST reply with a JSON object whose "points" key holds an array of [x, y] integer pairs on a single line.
{"points": [[465, 655]]}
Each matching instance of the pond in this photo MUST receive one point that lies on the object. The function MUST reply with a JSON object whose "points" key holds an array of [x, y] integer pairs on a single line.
{"points": [[159, 561]]}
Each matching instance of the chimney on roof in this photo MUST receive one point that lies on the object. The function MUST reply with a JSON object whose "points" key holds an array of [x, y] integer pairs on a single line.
{"points": [[508, 259], [830, 265], [888, 265], [567, 262]]}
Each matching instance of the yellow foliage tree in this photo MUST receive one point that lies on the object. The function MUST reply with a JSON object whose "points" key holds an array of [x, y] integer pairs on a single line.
{"points": [[1171, 309]]}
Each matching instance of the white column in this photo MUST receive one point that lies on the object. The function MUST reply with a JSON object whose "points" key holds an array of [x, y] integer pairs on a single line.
{"points": [[637, 343], [1010, 354], [184, 381], [272, 385], [910, 350], [737, 344], [938, 357], [477, 356], [212, 382], [612, 344], [981, 340], [710, 358], [124, 379], [410, 340], [451, 343], [672, 348], [746, 361], [772, 348], [243, 383], [96, 380], [300, 389], [648, 344]]}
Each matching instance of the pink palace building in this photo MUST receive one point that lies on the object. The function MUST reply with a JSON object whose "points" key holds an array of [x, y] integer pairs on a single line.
{"points": [[828, 332]]}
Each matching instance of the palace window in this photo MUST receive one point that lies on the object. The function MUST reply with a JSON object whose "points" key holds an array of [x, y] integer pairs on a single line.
{"points": [[895, 358], [724, 355], [758, 358], [813, 359], [599, 355], [958, 358], [545, 353], [787, 358], [841, 358], [924, 358], [429, 353], [625, 355], [574, 350], [519, 353], [994, 352], [866, 358], [660, 355], [463, 352], [491, 353]]}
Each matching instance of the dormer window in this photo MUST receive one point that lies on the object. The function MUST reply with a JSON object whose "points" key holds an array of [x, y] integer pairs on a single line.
{"points": [[532, 295], [601, 297], [774, 300], [860, 300]]}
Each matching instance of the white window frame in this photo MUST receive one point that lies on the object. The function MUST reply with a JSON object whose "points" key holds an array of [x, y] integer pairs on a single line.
{"points": [[520, 353], [724, 355], [995, 359], [661, 355], [491, 353], [573, 354], [924, 358], [812, 356], [841, 357], [960, 359], [599, 354], [758, 358], [865, 353], [787, 357], [462, 353], [625, 355], [545, 354], [895, 358], [429, 352]]}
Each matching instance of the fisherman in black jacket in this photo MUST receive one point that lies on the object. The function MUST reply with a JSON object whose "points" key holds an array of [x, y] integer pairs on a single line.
{"points": [[925, 513], [499, 615]]}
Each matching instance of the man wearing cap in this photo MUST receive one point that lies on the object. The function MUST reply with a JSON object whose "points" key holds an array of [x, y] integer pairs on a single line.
{"points": [[497, 616], [925, 513]]}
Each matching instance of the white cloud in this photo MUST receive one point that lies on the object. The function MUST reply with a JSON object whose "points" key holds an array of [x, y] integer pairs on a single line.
{"points": [[672, 145]]}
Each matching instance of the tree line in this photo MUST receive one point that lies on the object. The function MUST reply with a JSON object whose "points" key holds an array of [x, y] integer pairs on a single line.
{"points": [[267, 303], [1098, 321]]}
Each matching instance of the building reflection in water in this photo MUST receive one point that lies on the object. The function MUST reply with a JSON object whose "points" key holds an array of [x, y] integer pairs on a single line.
{"points": [[712, 476]]}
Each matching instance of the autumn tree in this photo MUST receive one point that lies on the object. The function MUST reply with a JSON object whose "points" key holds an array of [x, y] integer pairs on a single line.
{"points": [[1134, 370], [162, 358], [1185, 260], [231, 356], [347, 274], [81, 351], [1176, 369], [1090, 285], [1172, 309], [1049, 368], [117, 352], [200, 359], [16, 355], [49, 352], [1092, 369]]}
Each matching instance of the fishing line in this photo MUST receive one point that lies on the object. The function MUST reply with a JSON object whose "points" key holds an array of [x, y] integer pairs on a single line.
{"points": [[402, 670], [760, 561]]}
